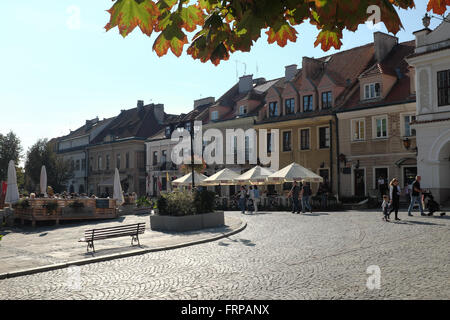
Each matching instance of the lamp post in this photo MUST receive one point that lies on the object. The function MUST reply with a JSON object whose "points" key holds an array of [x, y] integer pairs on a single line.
{"points": [[192, 154]]}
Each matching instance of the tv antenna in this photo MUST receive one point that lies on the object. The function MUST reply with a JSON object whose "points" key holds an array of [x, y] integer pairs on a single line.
{"points": [[245, 69]]}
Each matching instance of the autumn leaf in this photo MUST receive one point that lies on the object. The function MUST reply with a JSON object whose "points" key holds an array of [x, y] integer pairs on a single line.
{"points": [[191, 16], [328, 39], [128, 14], [281, 34], [172, 37], [438, 6]]}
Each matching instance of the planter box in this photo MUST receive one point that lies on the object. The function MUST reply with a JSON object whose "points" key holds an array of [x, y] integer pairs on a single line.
{"points": [[187, 223]]}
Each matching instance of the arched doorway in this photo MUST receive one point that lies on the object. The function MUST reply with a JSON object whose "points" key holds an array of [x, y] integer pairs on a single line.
{"points": [[440, 158]]}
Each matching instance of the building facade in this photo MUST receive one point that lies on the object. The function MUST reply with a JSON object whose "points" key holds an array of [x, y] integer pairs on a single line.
{"points": [[431, 60]]}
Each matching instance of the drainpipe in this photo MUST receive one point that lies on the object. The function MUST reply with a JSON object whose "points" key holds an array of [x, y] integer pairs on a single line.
{"points": [[86, 155], [331, 155], [338, 153]]}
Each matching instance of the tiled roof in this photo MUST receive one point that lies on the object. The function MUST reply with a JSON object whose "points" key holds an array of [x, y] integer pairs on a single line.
{"points": [[394, 64], [133, 123], [85, 129]]}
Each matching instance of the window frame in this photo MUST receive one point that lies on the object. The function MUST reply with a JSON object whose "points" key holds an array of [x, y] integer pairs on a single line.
{"points": [[352, 128], [403, 124], [329, 103], [445, 88], [369, 95], [290, 142], [311, 100], [214, 115], [300, 138], [318, 137], [291, 105], [375, 126], [276, 114]]}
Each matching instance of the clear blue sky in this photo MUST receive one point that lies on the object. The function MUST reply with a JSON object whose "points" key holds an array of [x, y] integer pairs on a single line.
{"points": [[55, 74]]}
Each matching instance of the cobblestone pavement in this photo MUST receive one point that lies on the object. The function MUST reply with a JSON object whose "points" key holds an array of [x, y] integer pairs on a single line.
{"points": [[278, 256]]}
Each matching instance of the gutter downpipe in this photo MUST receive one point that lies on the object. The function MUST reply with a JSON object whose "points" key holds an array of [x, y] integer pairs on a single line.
{"points": [[338, 164]]}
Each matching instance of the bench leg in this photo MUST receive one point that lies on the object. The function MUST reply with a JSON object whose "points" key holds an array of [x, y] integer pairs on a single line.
{"points": [[90, 244], [135, 239]]}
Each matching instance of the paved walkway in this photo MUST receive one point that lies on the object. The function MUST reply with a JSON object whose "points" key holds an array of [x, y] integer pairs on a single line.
{"points": [[279, 255], [23, 248]]}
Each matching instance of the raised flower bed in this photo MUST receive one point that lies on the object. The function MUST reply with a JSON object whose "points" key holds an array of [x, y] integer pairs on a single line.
{"points": [[186, 211]]}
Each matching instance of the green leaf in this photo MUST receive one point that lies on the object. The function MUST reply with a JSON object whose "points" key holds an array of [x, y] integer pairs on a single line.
{"points": [[128, 14]]}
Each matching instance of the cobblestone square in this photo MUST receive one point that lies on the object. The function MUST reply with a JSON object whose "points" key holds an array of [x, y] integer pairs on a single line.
{"points": [[324, 255]]}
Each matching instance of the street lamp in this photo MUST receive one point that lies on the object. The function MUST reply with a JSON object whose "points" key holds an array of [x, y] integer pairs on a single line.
{"points": [[407, 143]]}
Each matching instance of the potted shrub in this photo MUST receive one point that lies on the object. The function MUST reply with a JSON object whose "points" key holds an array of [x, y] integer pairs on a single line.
{"points": [[76, 205], [185, 211]]}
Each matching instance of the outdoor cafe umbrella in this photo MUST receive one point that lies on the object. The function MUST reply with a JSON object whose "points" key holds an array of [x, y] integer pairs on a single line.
{"points": [[256, 175], [43, 181], [223, 177], [291, 173], [186, 180], [118, 194], [12, 193]]}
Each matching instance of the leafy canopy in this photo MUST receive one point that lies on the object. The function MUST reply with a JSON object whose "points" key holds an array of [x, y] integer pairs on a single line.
{"points": [[227, 26]]}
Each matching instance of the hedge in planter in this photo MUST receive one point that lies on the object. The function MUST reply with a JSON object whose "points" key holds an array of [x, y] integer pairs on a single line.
{"points": [[184, 203]]}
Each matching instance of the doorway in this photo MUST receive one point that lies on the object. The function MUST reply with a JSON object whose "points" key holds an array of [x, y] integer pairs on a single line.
{"points": [[360, 182]]}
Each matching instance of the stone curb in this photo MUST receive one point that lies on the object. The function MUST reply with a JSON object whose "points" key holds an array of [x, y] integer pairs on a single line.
{"points": [[118, 255]]}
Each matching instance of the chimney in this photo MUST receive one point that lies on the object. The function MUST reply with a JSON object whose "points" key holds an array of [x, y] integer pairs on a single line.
{"points": [[140, 105], [245, 83], [290, 71], [203, 101], [158, 111], [383, 43], [310, 67]]}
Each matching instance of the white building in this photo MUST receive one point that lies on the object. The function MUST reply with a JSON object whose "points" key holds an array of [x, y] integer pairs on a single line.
{"points": [[431, 61]]}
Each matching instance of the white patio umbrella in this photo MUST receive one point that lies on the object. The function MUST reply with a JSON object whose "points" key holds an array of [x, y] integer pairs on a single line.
{"points": [[12, 192], [186, 180], [118, 194], [293, 172], [256, 175], [43, 181], [223, 177]]}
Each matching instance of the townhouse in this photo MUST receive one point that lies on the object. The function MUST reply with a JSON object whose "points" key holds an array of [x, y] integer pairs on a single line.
{"points": [[376, 140], [431, 60], [121, 144]]}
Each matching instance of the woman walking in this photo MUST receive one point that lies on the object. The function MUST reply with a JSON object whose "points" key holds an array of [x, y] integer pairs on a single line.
{"points": [[394, 195]]}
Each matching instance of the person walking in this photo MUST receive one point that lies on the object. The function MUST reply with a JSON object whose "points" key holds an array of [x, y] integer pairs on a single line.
{"points": [[255, 198], [305, 194], [250, 201], [242, 199], [394, 195], [416, 196], [295, 195]]}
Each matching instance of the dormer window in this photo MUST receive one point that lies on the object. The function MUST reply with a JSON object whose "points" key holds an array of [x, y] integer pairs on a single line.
{"points": [[327, 100], [372, 90], [215, 115], [168, 131], [307, 103], [289, 105], [187, 126], [242, 110], [273, 109]]}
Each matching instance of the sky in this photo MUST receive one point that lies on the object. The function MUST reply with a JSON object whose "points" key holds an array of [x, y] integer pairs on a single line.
{"points": [[59, 67]]}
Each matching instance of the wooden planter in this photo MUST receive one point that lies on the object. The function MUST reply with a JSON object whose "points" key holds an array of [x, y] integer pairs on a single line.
{"points": [[187, 223]]}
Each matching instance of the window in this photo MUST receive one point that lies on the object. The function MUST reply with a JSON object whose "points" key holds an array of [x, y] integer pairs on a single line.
{"points": [[215, 115], [287, 141], [168, 131], [372, 90], [107, 162], [304, 139], [118, 161], [358, 130], [242, 110], [273, 109], [72, 165], [381, 127], [307, 103], [164, 156], [163, 183], [327, 100], [289, 105], [324, 137], [443, 88], [77, 165], [99, 163], [187, 126], [269, 142], [155, 158], [127, 160], [83, 164], [247, 148], [407, 119]]}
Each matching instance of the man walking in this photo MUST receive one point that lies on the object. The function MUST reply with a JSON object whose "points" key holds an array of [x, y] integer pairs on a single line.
{"points": [[242, 199], [416, 196], [305, 194], [295, 194], [255, 198]]}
